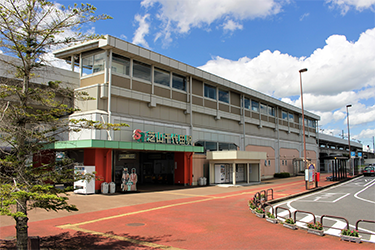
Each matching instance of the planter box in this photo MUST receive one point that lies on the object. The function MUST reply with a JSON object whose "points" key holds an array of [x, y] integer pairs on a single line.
{"points": [[315, 231], [271, 220], [260, 215], [351, 238], [252, 210], [290, 226]]}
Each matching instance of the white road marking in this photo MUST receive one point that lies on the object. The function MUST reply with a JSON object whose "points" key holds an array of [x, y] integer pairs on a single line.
{"points": [[339, 224], [362, 199], [342, 197]]}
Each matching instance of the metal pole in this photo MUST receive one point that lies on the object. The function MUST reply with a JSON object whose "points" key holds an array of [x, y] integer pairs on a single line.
{"points": [[347, 121], [303, 121]]}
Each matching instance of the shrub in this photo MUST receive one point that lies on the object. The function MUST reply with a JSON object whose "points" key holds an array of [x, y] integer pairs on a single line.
{"points": [[269, 215], [289, 221], [349, 232], [281, 175], [317, 226]]}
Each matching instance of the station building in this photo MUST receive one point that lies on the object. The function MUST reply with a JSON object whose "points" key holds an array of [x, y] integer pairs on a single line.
{"points": [[184, 123]]}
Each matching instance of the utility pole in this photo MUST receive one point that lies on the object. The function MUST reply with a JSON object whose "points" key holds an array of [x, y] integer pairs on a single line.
{"points": [[373, 145]]}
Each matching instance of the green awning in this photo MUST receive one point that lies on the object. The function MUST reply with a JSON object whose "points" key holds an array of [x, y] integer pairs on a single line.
{"points": [[78, 144]]}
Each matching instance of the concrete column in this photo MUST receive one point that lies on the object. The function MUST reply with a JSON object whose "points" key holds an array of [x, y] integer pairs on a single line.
{"points": [[248, 173], [234, 173]]}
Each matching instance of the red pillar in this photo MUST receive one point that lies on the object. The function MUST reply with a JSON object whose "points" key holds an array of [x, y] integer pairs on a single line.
{"points": [[101, 158]]}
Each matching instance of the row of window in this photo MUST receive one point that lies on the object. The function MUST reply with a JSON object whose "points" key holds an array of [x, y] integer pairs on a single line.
{"points": [[121, 65], [215, 146]]}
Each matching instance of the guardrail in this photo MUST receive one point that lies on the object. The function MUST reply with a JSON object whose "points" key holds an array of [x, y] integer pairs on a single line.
{"points": [[261, 198]]}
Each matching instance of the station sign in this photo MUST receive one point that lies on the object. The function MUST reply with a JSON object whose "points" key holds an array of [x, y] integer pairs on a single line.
{"points": [[164, 138]]}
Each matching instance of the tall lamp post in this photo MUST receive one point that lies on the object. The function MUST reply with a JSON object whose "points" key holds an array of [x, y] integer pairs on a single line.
{"points": [[303, 121], [347, 122]]}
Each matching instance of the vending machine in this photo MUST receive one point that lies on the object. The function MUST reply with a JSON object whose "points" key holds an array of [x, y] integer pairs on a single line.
{"points": [[84, 186]]}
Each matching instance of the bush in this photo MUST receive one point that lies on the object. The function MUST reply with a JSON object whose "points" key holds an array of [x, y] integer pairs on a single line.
{"points": [[281, 175]]}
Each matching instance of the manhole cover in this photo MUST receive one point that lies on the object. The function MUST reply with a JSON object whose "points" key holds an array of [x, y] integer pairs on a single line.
{"points": [[135, 224]]}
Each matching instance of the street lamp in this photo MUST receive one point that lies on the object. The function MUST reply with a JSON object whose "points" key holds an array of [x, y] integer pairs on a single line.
{"points": [[347, 122], [303, 120]]}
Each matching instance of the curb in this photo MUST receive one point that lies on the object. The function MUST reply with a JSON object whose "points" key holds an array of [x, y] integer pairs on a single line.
{"points": [[309, 191]]}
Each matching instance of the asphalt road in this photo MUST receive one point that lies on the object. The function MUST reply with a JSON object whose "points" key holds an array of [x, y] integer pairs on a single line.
{"points": [[353, 200]]}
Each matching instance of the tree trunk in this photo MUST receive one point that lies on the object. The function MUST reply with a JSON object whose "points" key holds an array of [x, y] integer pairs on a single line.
{"points": [[21, 225]]}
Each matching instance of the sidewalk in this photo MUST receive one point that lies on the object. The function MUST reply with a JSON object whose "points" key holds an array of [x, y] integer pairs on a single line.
{"points": [[209, 217]]}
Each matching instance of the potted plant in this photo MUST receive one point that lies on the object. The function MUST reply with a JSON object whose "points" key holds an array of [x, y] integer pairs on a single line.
{"points": [[350, 235], [259, 212], [271, 218], [316, 228], [290, 223], [252, 206]]}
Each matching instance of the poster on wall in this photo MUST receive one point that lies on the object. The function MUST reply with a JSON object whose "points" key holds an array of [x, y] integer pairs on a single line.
{"points": [[129, 181]]}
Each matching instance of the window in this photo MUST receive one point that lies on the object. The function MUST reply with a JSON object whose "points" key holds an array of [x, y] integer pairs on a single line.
{"points": [[120, 64], [223, 96], [271, 111], [247, 103], [211, 146], [291, 117], [284, 115], [179, 82], [263, 108], [93, 64], [255, 106], [227, 146], [209, 91], [141, 70], [161, 77]]}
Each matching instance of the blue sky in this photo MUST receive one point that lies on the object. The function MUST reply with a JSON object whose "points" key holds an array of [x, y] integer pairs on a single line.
{"points": [[262, 44]]}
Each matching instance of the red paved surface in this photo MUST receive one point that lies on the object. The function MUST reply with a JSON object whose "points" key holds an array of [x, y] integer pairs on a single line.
{"points": [[197, 219]]}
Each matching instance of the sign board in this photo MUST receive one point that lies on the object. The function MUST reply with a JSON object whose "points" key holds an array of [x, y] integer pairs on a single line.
{"points": [[360, 154], [165, 138], [352, 154]]}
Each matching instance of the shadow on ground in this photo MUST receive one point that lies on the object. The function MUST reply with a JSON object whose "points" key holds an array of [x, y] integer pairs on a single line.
{"points": [[80, 240]]}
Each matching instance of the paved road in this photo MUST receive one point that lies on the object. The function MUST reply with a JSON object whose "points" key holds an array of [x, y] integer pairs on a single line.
{"points": [[353, 200]]}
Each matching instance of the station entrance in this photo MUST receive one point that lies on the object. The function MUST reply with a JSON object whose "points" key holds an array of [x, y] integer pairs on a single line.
{"points": [[152, 168]]}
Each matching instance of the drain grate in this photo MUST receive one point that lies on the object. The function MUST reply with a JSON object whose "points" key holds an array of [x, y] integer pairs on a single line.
{"points": [[135, 224]]}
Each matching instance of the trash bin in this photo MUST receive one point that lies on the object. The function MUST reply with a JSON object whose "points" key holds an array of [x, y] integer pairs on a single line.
{"points": [[104, 188], [200, 181], [112, 187], [204, 181]]}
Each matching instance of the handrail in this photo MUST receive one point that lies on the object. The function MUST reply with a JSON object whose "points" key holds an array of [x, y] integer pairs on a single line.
{"points": [[270, 189], [336, 217]]}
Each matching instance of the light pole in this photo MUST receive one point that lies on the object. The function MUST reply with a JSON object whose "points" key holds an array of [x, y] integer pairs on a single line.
{"points": [[347, 122], [303, 121]]}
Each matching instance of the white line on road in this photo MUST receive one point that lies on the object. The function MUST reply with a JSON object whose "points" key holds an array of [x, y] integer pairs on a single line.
{"points": [[356, 195], [342, 197]]}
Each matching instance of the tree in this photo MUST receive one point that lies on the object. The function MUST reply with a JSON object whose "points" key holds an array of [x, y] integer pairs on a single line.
{"points": [[33, 115]]}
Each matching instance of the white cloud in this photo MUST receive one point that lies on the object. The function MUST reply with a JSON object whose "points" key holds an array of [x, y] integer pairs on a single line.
{"points": [[142, 31], [345, 5], [340, 73], [180, 15], [231, 25], [303, 16]]}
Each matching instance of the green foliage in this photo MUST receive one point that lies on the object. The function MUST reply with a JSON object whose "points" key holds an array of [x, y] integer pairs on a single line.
{"points": [[33, 115], [349, 232], [281, 175], [270, 215], [260, 210], [289, 221], [316, 226]]}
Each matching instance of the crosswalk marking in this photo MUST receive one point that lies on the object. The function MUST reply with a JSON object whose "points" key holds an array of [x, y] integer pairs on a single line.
{"points": [[338, 224]]}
